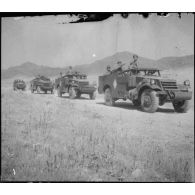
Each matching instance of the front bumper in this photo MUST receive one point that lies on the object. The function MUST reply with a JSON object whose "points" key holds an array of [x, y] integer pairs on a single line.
{"points": [[87, 90], [176, 95], [46, 88]]}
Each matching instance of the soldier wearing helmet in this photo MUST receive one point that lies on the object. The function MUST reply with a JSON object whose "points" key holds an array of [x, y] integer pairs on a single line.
{"points": [[69, 70], [134, 64], [108, 68]]}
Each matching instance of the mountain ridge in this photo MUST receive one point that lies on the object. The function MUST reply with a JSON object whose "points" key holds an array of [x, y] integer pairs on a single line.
{"points": [[98, 67]]}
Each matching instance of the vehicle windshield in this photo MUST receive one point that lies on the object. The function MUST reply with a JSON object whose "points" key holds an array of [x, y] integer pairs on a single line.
{"points": [[151, 72]]}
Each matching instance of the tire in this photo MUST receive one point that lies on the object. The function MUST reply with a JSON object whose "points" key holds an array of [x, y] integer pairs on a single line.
{"points": [[92, 95], [38, 89], [109, 101], [59, 92], [136, 103], [149, 101], [78, 94], [72, 93], [181, 106]]}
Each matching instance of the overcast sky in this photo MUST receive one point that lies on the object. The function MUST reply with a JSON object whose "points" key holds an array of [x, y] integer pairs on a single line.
{"points": [[42, 40]]}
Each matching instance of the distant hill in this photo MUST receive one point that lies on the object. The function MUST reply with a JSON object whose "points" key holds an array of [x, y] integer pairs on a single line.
{"points": [[98, 67]]}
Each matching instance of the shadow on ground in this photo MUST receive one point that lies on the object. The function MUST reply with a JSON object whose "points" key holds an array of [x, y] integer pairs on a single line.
{"points": [[130, 106]]}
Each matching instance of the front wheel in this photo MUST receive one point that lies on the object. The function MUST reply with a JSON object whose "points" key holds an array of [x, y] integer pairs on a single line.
{"points": [[92, 95], [149, 101], [181, 106], [59, 92], [72, 93], [109, 101]]}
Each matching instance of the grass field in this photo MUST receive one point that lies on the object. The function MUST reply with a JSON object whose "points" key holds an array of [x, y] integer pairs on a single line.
{"points": [[46, 138]]}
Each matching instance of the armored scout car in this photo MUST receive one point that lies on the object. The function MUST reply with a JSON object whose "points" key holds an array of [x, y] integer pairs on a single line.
{"points": [[19, 84], [41, 83], [75, 84], [146, 88]]}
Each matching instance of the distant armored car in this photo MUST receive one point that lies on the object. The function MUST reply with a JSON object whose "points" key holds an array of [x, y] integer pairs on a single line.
{"points": [[41, 83], [75, 84], [19, 84], [146, 88]]}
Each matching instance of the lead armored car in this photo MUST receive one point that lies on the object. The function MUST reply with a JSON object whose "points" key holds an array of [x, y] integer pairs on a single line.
{"points": [[19, 85], [75, 84], [146, 88], [41, 84]]}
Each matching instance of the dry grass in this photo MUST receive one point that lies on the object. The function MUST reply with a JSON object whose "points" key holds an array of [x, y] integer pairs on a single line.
{"points": [[45, 138]]}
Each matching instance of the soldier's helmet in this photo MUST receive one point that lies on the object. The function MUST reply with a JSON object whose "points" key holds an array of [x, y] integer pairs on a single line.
{"points": [[119, 63], [135, 57]]}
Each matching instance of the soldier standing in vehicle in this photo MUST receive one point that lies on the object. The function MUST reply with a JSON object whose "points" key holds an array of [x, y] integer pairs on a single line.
{"points": [[134, 64], [69, 70], [108, 69]]}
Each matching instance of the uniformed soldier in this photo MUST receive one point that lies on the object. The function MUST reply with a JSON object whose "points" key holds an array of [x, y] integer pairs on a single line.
{"points": [[134, 64], [69, 70], [108, 68]]}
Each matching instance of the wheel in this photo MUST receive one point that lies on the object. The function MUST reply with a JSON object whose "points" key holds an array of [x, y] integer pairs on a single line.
{"points": [[72, 93], [109, 101], [59, 92], [78, 94], [149, 101], [136, 103], [181, 106], [92, 95], [38, 89]]}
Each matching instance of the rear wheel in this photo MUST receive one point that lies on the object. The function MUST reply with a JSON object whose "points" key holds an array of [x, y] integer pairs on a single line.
{"points": [[92, 95], [149, 101], [72, 93], [181, 106], [38, 89], [108, 99]]}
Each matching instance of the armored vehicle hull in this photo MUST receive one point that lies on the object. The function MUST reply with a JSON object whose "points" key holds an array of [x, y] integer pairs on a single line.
{"points": [[41, 84], [75, 85], [19, 85], [145, 90]]}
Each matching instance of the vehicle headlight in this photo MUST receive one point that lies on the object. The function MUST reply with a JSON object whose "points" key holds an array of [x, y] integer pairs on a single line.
{"points": [[187, 82], [152, 81]]}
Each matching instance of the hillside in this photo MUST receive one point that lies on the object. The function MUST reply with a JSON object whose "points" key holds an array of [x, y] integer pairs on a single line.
{"points": [[99, 66]]}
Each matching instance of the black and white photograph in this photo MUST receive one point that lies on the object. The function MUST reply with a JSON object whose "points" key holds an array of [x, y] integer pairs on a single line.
{"points": [[97, 97]]}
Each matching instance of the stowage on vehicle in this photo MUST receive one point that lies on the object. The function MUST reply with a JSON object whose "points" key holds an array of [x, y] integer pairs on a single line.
{"points": [[75, 84], [145, 87], [19, 84], [41, 84]]}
